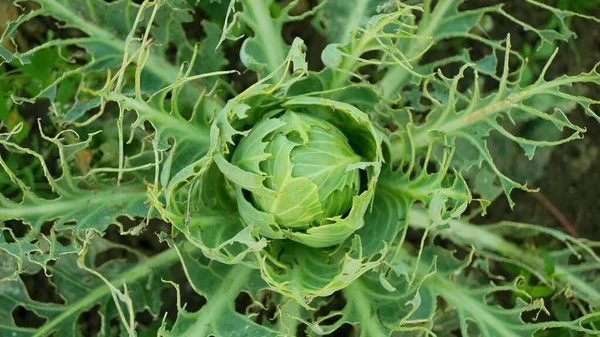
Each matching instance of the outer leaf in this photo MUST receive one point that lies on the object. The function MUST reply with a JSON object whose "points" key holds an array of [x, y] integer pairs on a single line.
{"points": [[576, 280], [469, 298], [444, 193], [469, 125], [445, 21], [220, 284], [411, 305], [110, 42], [377, 311], [81, 291], [266, 50], [402, 44], [76, 209]]}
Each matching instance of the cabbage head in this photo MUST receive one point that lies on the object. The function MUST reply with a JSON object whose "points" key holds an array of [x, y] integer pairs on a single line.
{"points": [[305, 173]]}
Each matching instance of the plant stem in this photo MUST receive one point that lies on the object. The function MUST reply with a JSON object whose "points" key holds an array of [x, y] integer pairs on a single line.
{"points": [[394, 78]]}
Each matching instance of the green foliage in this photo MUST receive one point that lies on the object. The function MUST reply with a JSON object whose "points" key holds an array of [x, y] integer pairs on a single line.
{"points": [[295, 206], [81, 288]]}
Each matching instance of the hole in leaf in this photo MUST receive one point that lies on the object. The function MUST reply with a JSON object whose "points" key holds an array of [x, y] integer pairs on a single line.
{"points": [[346, 329], [413, 174], [301, 330], [242, 302], [114, 253], [64, 240], [144, 320], [116, 326], [432, 168], [369, 72], [421, 162], [168, 297], [193, 30], [146, 241], [8, 237], [376, 257], [271, 311], [189, 297], [46, 227], [90, 321], [304, 29], [423, 101], [267, 311], [364, 181], [19, 229], [171, 52], [336, 302], [126, 222], [503, 299], [40, 288], [26, 318]]}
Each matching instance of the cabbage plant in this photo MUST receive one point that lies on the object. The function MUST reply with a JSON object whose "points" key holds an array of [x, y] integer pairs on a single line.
{"points": [[299, 202]]}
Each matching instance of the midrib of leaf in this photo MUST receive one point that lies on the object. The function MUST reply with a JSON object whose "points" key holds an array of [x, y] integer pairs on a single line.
{"points": [[362, 303], [217, 304], [265, 31], [66, 205], [354, 20], [289, 314], [158, 66], [429, 28], [141, 269], [340, 77]]}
